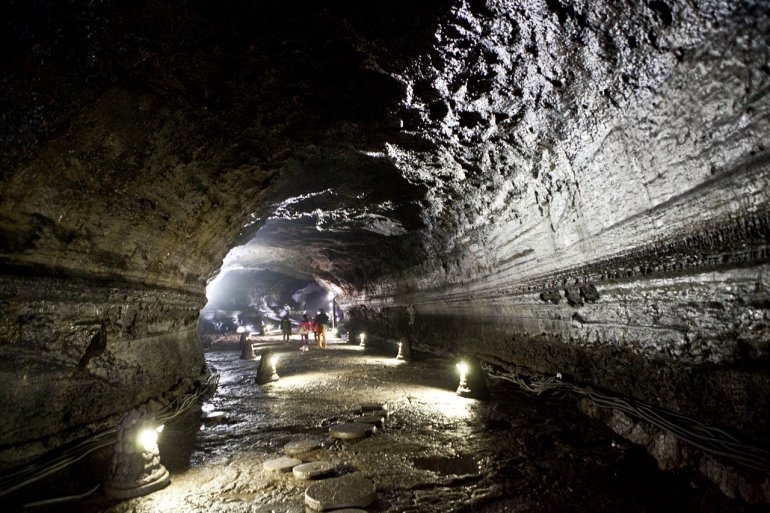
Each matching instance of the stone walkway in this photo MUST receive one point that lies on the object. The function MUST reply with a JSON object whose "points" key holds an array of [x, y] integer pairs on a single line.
{"points": [[434, 451]]}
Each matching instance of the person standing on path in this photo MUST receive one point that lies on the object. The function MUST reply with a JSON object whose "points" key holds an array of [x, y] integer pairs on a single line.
{"points": [[320, 320], [304, 333], [286, 327]]}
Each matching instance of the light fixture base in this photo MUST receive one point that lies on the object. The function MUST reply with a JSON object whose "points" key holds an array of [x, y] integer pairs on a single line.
{"points": [[136, 469], [144, 486], [463, 390]]}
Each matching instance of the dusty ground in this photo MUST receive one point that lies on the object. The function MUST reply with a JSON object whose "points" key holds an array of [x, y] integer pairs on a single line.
{"points": [[436, 453]]}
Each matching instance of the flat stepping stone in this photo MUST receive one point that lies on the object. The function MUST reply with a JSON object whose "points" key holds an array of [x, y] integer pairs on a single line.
{"points": [[313, 470], [351, 491], [300, 446], [282, 464], [375, 420], [351, 430]]}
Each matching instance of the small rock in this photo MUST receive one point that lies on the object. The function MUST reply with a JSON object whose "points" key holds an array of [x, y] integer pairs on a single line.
{"points": [[313, 470], [351, 430], [282, 464], [375, 420], [351, 491]]}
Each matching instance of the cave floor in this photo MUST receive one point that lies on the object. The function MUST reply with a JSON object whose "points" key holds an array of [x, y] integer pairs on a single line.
{"points": [[437, 452]]}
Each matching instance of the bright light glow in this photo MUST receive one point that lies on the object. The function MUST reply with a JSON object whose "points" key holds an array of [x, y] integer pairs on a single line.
{"points": [[362, 336], [159, 429], [240, 329], [148, 439], [330, 297], [462, 388], [384, 361], [274, 361], [299, 380], [441, 403]]}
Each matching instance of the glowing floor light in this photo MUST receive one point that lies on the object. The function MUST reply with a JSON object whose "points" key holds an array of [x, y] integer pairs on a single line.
{"points": [[362, 337], [148, 438], [136, 469], [267, 370], [462, 388]]}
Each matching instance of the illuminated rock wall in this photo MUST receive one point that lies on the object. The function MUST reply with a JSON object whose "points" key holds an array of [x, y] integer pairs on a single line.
{"points": [[607, 214]]}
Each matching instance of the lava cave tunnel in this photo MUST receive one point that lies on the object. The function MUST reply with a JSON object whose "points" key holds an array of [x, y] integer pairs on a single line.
{"points": [[572, 197]]}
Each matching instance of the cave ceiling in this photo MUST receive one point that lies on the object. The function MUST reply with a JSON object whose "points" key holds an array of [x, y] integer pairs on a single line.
{"points": [[372, 146]]}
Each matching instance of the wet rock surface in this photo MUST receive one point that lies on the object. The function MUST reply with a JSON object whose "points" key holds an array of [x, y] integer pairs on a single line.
{"points": [[436, 452]]}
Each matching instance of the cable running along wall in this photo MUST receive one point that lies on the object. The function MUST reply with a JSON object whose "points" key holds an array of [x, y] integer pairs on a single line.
{"points": [[708, 438]]}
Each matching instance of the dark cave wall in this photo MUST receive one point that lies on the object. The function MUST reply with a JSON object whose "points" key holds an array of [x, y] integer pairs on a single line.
{"points": [[689, 344], [704, 357], [607, 213], [77, 354]]}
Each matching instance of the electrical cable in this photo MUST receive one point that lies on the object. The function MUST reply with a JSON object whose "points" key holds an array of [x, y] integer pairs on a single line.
{"points": [[60, 500], [67, 455], [708, 438]]}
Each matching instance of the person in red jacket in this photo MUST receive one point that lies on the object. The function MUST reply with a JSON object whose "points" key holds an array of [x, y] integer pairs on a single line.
{"points": [[305, 326]]}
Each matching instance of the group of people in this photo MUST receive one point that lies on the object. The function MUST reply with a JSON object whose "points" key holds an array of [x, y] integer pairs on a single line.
{"points": [[317, 326]]}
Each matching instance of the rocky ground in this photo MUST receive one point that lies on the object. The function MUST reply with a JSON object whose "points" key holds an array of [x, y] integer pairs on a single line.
{"points": [[511, 452]]}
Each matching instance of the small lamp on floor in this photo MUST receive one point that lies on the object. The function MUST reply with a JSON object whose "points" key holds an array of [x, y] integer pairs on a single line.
{"points": [[268, 368], [463, 389], [136, 468]]}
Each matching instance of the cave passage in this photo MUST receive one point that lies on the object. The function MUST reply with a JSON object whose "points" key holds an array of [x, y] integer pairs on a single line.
{"points": [[433, 451], [541, 188]]}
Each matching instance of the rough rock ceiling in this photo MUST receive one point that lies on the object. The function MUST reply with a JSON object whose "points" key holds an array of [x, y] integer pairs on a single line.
{"points": [[197, 120], [465, 136]]}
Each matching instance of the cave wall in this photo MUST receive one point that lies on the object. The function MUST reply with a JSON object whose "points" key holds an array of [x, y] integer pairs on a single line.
{"points": [[608, 214], [77, 354]]}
